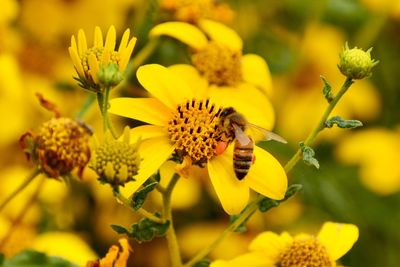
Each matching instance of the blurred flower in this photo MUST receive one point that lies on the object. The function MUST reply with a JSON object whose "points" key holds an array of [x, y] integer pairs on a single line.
{"points": [[188, 128], [88, 61], [115, 257], [269, 249], [299, 99], [391, 7], [60, 146], [376, 151], [356, 63], [193, 11], [220, 68], [65, 245], [116, 161], [8, 11]]}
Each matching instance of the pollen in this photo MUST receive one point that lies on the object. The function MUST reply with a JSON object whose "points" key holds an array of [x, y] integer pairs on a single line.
{"points": [[116, 161], [219, 64], [305, 252], [62, 144], [195, 130]]}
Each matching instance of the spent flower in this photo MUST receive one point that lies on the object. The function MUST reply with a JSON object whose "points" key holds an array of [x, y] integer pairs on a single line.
{"points": [[116, 161], [356, 63], [88, 62], [116, 256], [60, 146]]}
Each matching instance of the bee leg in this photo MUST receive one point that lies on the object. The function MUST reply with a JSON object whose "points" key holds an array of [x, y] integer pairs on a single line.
{"points": [[254, 159]]}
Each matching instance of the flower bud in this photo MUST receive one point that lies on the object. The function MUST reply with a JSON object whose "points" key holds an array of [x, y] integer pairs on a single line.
{"points": [[356, 63], [116, 161], [110, 75]]}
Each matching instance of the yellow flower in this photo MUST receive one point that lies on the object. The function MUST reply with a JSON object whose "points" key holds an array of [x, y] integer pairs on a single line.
{"points": [[193, 11], [376, 151], [391, 7], [115, 257], [65, 245], [88, 61], [220, 67], [269, 249], [184, 123]]}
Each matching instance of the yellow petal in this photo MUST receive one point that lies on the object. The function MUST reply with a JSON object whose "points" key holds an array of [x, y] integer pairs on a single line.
{"points": [[126, 54], [93, 67], [267, 175], [147, 131], [221, 34], [232, 193], [148, 110], [270, 244], [193, 78], [255, 71], [82, 44], [154, 152], [338, 238], [184, 32], [252, 259], [124, 41], [77, 62], [163, 84], [73, 44], [248, 101], [220, 263], [110, 39], [98, 37]]}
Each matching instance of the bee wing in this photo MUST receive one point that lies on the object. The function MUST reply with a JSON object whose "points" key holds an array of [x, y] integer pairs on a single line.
{"points": [[240, 135], [268, 135]]}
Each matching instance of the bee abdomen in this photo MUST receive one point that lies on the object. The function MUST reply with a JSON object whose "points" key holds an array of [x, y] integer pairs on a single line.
{"points": [[242, 159]]}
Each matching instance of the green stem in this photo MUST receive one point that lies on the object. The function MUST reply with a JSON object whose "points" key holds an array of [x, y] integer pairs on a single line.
{"points": [[22, 213], [143, 54], [320, 126], [126, 202], [19, 189], [252, 206], [173, 246], [86, 105], [102, 99]]}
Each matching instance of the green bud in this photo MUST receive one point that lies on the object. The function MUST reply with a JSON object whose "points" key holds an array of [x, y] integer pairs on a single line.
{"points": [[356, 63], [110, 75]]}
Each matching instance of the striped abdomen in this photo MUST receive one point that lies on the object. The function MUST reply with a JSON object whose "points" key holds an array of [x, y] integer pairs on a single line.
{"points": [[242, 158]]}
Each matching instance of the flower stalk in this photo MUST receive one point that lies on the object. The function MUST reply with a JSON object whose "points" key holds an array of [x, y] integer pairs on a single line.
{"points": [[19, 189]]}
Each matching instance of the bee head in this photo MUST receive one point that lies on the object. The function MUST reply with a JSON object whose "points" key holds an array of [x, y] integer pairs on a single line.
{"points": [[226, 112]]}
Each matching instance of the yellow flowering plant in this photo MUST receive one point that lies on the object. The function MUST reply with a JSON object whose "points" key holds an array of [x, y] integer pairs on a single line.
{"points": [[197, 128]]}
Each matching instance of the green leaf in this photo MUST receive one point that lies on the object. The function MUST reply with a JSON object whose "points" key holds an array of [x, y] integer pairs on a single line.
{"points": [[31, 258], [119, 229], [308, 155], [327, 89], [139, 197], [202, 263], [146, 230], [342, 123], [266, 203]]}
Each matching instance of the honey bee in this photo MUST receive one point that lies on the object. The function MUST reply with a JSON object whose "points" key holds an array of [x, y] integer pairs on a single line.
{"points": [[234, 124]]}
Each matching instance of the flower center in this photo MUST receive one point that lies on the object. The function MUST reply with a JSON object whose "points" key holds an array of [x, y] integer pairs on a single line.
{"points": [[62, 145], [219, 64], [98, 52], [307, 252], [195, 130], [116, 162], [189, 10]]}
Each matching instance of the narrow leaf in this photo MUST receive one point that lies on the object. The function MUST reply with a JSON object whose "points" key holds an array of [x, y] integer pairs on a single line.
{"points": [[342, 123], [139, 197], [327, 89], [308, 155]]}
